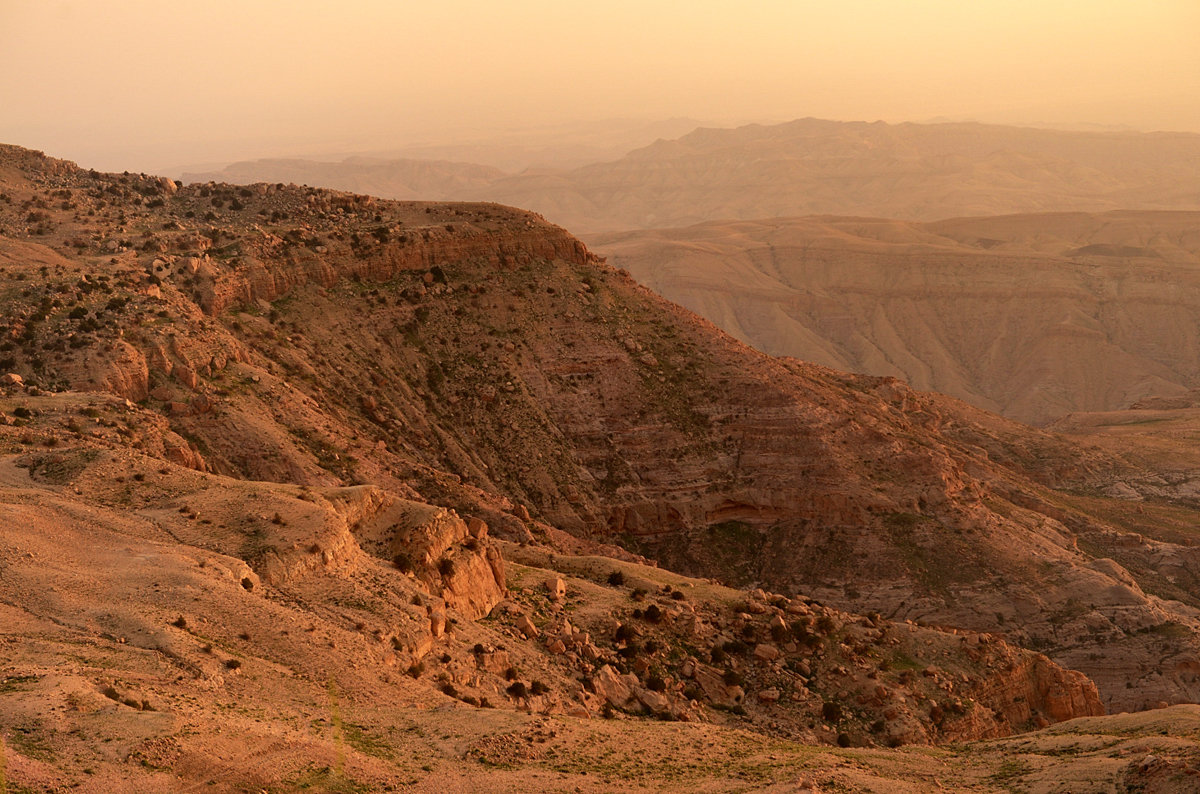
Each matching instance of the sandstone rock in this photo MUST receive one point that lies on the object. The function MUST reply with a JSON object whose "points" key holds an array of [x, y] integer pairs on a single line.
{"points": [[477, 528], [768, 696], [716, 691], [12, 379], [428, 536], [556, 588], [765, 652], [613, 687], [493, 661], [526, 627], [657, 702], [187, 376]]}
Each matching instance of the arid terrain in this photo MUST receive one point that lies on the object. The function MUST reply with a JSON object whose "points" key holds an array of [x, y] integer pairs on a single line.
{"points": [[1032, 316], [309, 490], [920, 172]]}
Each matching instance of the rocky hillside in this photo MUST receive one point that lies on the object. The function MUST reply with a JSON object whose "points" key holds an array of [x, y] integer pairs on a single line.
{"points": [[1033, 316], [377, 423]]}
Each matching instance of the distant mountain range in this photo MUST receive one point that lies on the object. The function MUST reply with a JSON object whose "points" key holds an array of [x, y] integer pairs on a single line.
{"points": [[808, 166]]}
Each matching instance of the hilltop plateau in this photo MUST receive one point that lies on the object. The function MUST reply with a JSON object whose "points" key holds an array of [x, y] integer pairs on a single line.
{"points": [[307, 489]]}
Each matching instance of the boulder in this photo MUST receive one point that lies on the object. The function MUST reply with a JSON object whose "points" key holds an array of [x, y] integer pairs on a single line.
{"points": [[526, 627], [768, 695], [657, 702], [613, 687], [766, 652], [556, 588]]}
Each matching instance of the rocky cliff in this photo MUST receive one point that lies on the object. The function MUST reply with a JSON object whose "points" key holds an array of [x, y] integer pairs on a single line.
{"points": [[474, 358]]}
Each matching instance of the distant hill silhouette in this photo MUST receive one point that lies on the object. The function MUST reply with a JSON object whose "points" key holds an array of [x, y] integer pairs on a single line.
{"points": [[810, 166]]}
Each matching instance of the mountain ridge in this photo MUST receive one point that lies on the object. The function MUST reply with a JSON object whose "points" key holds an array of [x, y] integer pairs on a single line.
{"points": [[375, 423]]}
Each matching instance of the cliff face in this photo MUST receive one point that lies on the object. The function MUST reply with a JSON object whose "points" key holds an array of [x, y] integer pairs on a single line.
{"points": [[271, 268], [474, 357]]}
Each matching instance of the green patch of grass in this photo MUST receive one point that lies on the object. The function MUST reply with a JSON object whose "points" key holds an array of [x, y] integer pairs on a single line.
{"points": [[29, 741], [1169, 629], [902, 661], [357, 737], [17, 683], [324, 779], [1009, 770]]}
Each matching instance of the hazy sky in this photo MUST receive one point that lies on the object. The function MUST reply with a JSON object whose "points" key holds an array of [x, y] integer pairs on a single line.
{"points": [[126, 84]]}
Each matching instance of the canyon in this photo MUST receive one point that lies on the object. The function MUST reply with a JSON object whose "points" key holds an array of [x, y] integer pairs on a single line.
{"points": [[1033, 316], [306, 487]]}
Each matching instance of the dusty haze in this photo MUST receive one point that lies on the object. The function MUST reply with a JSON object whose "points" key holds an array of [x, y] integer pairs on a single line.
{"points": [[141, 85]]}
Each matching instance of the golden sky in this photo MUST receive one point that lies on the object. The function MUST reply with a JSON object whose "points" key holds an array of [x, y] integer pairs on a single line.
{"points": [[140, 84]]}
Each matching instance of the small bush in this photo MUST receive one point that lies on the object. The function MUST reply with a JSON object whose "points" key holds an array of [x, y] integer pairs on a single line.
{"points": [[631, 650], [517, 689], [616, 578], [830, 711]]}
